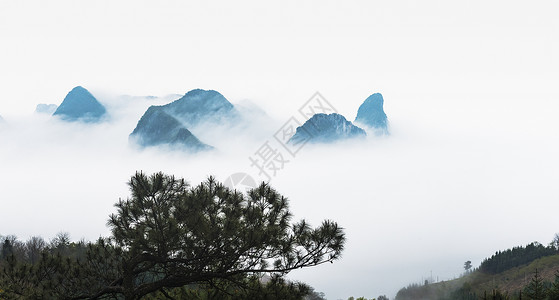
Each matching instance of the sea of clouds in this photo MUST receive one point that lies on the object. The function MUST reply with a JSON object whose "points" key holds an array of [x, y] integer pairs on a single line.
{"points": [[456, 180]]}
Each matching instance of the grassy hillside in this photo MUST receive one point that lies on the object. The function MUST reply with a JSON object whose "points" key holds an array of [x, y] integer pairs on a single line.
{"points": [[515, 279], [475, 284]]}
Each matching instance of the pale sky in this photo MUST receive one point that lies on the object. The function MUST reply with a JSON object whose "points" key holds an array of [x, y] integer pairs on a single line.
{"points": [[273, 52], [470, 90]]}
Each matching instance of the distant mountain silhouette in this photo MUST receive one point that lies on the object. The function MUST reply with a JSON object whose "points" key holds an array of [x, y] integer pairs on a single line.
{"points": [[371, 114], [323, 128], [46, 108], [168, 124], [80, 105], [199, 106], [156, 127]]}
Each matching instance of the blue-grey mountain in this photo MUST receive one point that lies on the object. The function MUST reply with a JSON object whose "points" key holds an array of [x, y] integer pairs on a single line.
{"points": [[323, 128], [156, 127], [46, 108], [80, 105], [371, 114], [168, 124], [202, 106]]}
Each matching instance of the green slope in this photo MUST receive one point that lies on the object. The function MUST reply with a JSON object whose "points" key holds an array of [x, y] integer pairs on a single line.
{"points": [[477, 284]]}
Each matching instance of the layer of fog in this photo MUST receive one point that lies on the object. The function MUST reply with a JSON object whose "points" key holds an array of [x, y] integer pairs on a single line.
{"points": [[457, 180]]}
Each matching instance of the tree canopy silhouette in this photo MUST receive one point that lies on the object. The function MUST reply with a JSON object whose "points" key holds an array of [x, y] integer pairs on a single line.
{"points": [[174, 235], [168, 234]]}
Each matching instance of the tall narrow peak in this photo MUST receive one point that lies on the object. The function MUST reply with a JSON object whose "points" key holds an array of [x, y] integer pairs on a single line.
{"points": [[371, 114]]}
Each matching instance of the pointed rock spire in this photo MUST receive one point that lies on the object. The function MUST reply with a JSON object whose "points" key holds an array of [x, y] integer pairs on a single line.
{"points": [[371, 114]]}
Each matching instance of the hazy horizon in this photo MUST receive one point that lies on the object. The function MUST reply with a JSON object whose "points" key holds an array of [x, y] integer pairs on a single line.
{"points": [[470, 166]]}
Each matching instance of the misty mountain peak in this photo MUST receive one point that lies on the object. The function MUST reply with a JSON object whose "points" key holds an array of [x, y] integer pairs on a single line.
{"points": [[157, 127], [323, 128], [371, 114], [80, 105], [168, 124], [202, 106]]}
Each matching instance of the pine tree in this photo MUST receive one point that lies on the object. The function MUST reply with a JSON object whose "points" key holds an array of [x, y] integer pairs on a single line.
{"points": [[536, 289], [553, 293], [169, 236]]}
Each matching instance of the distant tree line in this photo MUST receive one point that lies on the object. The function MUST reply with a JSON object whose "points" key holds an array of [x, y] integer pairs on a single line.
{"points": [[517, 256], [536, 289], [32, 250]]}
